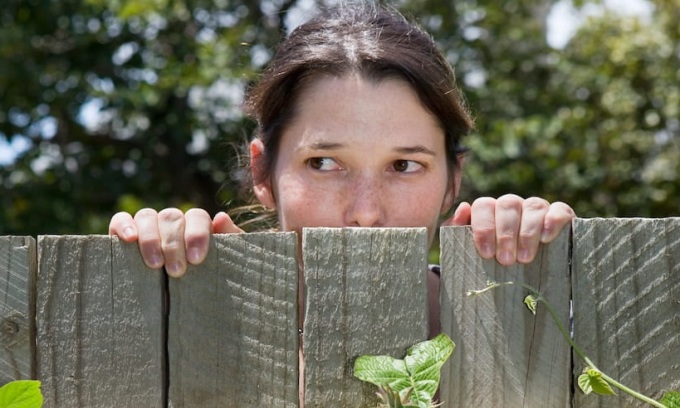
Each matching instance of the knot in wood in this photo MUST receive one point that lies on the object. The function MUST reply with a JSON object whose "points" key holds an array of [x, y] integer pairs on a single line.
{"points": [[12, 328]]}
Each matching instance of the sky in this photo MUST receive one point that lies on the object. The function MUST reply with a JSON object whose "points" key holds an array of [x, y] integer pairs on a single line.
{"points": [[563, 21]]}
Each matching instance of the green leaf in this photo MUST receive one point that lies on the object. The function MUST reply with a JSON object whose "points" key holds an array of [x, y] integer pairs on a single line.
{"points": [[592, 381], [531, 301], [21, 394], [424, 362], [671, 399], [383, 371], [416, 377]]}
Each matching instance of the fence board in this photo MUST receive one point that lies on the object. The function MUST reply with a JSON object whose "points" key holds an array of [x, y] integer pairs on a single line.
{"points": [[626, 275], [366, 294], [505, 356], [17, 308], [98, 325], [233, 339], [103, 334]]}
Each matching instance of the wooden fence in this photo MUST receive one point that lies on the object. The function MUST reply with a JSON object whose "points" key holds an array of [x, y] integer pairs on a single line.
{"points": [[83, 315]]}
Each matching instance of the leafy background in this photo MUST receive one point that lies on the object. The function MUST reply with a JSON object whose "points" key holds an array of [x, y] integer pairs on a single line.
{"points": [[122, 104]]}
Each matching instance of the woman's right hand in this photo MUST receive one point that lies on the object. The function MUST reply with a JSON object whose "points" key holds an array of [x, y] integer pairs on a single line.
{"points": [[170, 237]]}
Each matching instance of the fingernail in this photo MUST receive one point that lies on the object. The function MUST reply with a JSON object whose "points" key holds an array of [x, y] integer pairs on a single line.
{"points": [[546, 235], [193, 255], [173, 269], [523, 255], [506, 258], [487, 251], [155, 261]]}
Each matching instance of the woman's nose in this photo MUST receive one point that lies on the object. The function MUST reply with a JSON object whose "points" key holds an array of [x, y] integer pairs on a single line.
{"points": [[365, 206]]}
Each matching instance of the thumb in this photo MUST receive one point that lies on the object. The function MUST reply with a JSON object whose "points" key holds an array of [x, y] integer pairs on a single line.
{"points": [[461, 216], [223, 224]]}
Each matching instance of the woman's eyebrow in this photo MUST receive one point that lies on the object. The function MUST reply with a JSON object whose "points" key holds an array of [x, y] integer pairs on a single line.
{"points": [[415, 149], [320, 146], [335, 146]]}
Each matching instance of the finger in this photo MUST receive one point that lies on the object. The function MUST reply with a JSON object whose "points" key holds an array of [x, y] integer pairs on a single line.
{"points": [[483, 222], [508, 216], [123, 225], [149, 237], [197, 229], [559, 215], [534, 210], [223, 224], [461, 216], [171, 227]]}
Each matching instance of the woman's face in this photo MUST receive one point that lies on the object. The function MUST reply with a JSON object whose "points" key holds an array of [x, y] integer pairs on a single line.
{"points": [[359, 154]]}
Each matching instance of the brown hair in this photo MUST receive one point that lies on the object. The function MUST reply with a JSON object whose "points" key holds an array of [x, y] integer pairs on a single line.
{"points": [[368, 40]]}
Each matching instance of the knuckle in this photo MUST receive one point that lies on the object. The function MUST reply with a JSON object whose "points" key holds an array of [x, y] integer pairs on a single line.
{"points": [[536, 204], [121, 215], [197, 212], [146, 212], [170, 215], [527, 237], [506, 235], [560, 212], [119, 221], [565, 209], [510, 201], [484, 201], [510, 198], [483, 231], [172, 246]]}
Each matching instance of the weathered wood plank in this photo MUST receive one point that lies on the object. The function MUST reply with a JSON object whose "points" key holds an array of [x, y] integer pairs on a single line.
{"points": [[505, 356], [233, 338], [98, 324], [17, 308], [626, 275], [366, 293]]}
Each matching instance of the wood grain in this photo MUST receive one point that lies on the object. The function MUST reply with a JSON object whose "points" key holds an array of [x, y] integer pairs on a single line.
{"points": [[99, 329], [366, 294], [233, 339], [17, 308], [505, 356], [626, 275], [98, 324]]}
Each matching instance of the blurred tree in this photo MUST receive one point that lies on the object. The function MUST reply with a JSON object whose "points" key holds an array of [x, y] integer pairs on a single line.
{"points": [[125, 104], [595, 124]]}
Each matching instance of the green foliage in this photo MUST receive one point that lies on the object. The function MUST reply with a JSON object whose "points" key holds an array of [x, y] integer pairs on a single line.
{"points": [[591, 381], [412, 381], [123, 102], [21, 394], [531, 301], [594, 124], [671, 399]]}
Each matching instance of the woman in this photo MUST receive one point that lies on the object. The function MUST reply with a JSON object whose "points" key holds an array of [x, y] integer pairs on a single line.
{"points": [[359, 124]]}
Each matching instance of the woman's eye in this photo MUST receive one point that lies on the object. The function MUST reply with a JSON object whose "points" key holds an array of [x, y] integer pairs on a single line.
{"points": [[406, 166], [323, 164]]}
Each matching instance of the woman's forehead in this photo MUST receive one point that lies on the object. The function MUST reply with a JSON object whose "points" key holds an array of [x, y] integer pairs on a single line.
{"points": [[352, 106]]}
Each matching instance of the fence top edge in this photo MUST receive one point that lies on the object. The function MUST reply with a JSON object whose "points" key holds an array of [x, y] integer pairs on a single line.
{"points": [[629, 222], [576, 220], [367, 230], [626, 219]]}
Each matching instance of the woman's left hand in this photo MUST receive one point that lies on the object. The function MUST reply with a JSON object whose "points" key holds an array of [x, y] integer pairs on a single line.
{"points": [[511, 228]]}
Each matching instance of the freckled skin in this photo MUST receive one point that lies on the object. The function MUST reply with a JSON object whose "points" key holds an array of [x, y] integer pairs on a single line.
{"points": [[360, 154]]}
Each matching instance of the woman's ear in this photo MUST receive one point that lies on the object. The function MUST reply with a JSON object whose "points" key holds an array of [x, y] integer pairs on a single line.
{"points": [[262, 186]]}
